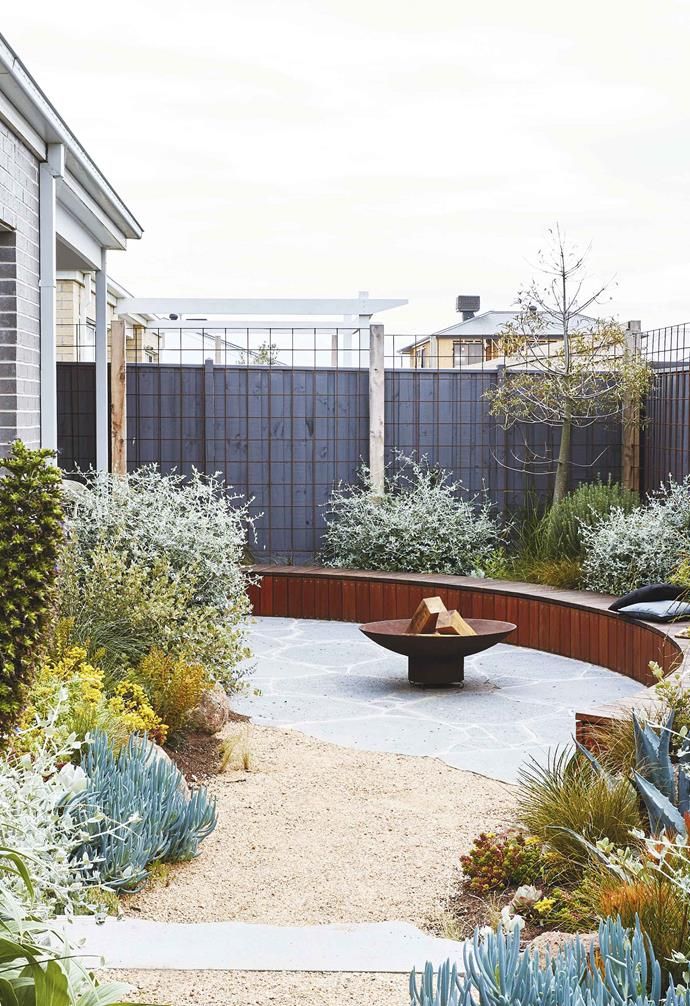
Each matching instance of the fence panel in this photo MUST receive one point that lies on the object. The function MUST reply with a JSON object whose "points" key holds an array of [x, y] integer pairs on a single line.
{"points": [[76, 391], [282, 436], [665, 445]]}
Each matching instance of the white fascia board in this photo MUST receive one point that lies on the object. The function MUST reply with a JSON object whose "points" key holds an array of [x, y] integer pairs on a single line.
{"points": [[256, 306], [117, 288], [21, 127], [72, 233], [111, 205], [71, 275], [79, 203], [24, 95]]}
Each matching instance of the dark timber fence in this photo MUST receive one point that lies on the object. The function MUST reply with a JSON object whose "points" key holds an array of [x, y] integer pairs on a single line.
{"points": [[666, 430], [284, 435]]}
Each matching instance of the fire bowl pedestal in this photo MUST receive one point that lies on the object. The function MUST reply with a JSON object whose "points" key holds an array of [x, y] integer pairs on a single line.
{"points": [[435, 660]]}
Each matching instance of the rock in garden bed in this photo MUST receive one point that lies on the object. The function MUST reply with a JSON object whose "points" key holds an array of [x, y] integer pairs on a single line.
{"points": [[212, 713]]}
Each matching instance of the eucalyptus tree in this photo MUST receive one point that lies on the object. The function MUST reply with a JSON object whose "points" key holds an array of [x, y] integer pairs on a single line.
{"points": [[564, 368]]}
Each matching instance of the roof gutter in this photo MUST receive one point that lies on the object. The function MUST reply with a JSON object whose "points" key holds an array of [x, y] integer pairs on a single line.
{"points": [[56, 130]]}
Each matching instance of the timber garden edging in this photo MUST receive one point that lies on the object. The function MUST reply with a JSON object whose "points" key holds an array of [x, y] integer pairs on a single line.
{"points": [[569, 623]]}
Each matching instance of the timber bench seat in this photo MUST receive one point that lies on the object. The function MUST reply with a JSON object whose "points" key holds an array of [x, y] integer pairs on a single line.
{"points": [[570, 623]]}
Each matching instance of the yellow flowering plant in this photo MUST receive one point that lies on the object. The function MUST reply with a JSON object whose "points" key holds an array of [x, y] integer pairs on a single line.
{"points": [[131, 705], [173, 684], [68, 694]]}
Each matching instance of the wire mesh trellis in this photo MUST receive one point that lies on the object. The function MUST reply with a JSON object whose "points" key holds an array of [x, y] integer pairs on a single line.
{"points": [[283, 414], [666, 430]]}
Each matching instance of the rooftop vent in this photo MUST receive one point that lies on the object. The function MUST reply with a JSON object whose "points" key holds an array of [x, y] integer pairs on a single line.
{"points": [[467, 307]]}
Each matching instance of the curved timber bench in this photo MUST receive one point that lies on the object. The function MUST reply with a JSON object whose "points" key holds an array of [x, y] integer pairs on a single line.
{"points": [[570, 623]]}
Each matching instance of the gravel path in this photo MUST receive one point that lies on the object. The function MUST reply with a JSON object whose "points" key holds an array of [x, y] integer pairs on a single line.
{"points": [[232, 988], [316, 833]]}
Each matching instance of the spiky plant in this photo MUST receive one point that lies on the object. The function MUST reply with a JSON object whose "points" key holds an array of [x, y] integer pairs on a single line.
{"points": [[568, 799], [622, 971], [30, 537]]}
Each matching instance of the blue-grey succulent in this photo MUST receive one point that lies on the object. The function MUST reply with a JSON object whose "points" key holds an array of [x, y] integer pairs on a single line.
{"points": [[135, 811], [622, 971]]}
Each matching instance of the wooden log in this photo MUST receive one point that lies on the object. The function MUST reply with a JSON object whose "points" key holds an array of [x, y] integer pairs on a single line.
{"points": [[452, 623], [424, 618]]}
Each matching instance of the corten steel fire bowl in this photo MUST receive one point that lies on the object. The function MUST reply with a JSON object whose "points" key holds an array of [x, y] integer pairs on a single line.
{"points": [[436, 659]]}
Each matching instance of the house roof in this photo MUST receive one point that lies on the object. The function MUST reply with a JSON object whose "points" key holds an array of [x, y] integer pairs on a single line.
{"points": [[488, 325], [27, 110]]}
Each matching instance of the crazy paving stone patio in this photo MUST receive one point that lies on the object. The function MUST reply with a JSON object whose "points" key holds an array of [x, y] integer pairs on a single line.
{"points": [[327, 680]]}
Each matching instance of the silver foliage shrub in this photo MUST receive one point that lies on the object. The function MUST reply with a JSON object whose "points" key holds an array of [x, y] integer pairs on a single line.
{"points": [[197, 524], [34, 789], [627, 550], [422, 524], [157, 560]]}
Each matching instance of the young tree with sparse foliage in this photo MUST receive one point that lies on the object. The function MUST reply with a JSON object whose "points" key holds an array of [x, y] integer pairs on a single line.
{"points": [[587, 375], [264, 355]]}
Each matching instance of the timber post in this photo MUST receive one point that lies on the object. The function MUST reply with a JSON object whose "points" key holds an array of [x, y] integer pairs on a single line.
{"points": [[630, 419], [118, 397], [377, 408]]}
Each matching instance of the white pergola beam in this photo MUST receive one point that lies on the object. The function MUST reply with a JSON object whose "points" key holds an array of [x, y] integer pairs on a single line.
{"points": [[242, 324], [259, 306]]}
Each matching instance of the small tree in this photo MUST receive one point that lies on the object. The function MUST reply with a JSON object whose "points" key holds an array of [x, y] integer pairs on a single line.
{"points": [[585, 376], [264, 355], [30, 538]]}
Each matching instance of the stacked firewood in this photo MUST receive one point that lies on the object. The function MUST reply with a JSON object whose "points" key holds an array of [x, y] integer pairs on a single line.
{"points": [[433, 618]]}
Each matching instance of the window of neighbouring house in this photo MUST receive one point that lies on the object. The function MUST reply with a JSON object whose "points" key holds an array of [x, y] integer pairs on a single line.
{"points": [[467, 351], [86, 343], [423, 357]]}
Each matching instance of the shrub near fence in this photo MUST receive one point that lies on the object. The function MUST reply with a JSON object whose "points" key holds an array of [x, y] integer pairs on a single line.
{"points": [[283, 436]]}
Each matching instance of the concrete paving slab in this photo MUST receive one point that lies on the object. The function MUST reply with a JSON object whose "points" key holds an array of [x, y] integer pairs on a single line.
{"points": [[393, 947], [327, 680]]}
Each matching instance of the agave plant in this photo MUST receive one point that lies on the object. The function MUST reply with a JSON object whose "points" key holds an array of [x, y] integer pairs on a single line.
{"points": [[37, 966], [623, 971], [135, 811], [665, 792]]}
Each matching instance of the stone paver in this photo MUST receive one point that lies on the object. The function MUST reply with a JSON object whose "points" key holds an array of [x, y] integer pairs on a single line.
{"points": [[327, 680], [392, 947]]}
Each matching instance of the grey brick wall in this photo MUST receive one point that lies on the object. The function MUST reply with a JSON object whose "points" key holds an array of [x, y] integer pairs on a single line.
{"points": [[20, 402]]}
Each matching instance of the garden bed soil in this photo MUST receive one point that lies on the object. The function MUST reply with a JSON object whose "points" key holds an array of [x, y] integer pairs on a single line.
{"points": [[467, 910], [197, 754], [316, 833]]}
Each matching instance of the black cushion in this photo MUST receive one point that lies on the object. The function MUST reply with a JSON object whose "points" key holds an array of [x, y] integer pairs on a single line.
{"points": [[652, 592]]}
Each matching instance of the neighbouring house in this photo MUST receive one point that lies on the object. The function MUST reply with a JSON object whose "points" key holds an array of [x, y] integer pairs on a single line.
{"points": [[76, 321], [58, 214], [473, 341]]}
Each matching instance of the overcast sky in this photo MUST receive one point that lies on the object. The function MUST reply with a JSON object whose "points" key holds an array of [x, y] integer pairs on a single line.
{"points": [[412, 149]]}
